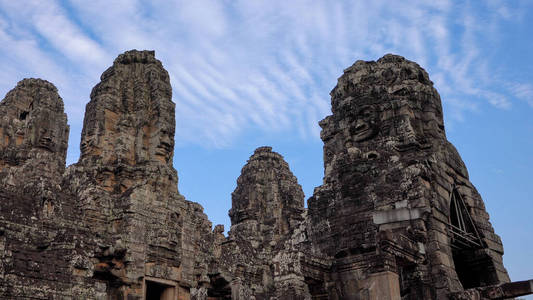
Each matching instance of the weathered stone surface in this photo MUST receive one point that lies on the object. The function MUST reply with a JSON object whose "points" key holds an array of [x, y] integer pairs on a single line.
{"points": [[126, 185], [130, 118], [40, 240], [395, 218], [390, 175], [267, 206], [119, 228], [33, 137], [500, 291], [267, 196]]}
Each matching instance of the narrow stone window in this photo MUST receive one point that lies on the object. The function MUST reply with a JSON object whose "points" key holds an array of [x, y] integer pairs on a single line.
{"points": [[23, 115], [464, 232], [473, 266]]}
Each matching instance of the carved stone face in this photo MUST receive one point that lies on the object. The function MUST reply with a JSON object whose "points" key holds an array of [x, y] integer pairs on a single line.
{"points": [[165, 145], [84, 145], [44, 133], [45, 138], [365, 125], [130, 118]]}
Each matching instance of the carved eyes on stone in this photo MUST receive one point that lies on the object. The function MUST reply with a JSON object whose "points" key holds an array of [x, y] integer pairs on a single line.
{"points": [[366, 113]]}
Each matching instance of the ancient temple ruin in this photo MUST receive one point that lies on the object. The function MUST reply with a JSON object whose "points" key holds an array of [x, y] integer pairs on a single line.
{"points": [[395, 218]]}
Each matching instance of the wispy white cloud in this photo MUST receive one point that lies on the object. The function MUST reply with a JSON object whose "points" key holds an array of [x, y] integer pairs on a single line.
{"points": [[52, 23], [23, 57], [523, 91], [242, 64]]}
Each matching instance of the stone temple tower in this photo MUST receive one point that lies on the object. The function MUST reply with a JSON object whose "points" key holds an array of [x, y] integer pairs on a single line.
{"points": [[126, 186], [33, 138], [396, 211], [267, 206], [396, 216]]}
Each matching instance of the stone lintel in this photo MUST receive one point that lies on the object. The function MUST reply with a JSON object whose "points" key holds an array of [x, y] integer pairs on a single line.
{"points": [[496, 292], [517, 288], [396, 215]]}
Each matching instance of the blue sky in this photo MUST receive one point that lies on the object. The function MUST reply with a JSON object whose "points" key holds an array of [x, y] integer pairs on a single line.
{"points": [[252, 73]]}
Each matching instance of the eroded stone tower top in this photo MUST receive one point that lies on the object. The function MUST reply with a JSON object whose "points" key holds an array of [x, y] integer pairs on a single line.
{"points": [[33, 131], [130, 118], [268, 193], [390, 101], [33, 116]]}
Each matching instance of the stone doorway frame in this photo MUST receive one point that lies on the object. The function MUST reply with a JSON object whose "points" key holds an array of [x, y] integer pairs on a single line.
{"points": [[171, 287]]}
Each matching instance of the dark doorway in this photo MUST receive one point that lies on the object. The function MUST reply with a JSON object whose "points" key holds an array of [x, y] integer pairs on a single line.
{"points": [[220, 288], [474, 268], [316, 289], [159, 291]]}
